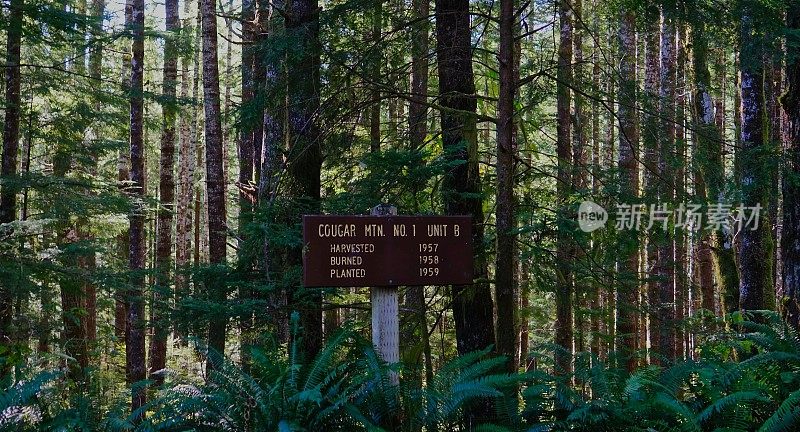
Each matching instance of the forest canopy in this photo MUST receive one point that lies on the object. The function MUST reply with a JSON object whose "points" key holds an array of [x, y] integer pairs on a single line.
{"points": [[629, 172]]}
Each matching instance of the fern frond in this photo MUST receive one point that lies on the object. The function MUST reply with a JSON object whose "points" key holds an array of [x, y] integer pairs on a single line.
{"points": [[787, 417], [738, 399]]}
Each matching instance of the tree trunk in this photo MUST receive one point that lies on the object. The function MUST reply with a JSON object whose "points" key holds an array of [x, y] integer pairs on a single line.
{"points": [[186, 166], [628, 240], [247, 187], [666, 164], [505, 280], [418, 131], [123, 176], [375, 72], [135, 322], [708, 158], [564, 252], [8, 195], [609, 161], [596, 303], [580, 173], [652, 176], [200, 218], [166, 188], [755, 254], [215, 183], [305, 151], [90, 260], [681, 240], [790, 242], [472, 304], [773, 88]]}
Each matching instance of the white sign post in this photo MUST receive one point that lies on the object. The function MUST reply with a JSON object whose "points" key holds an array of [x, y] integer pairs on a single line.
{"points": [[385, 311]]}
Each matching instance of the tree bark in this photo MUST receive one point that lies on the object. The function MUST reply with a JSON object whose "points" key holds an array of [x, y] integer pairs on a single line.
{"points": [[166, 188], [756, 247], [135, 336], [472, 304], [666, 165], [8, 195], [708, 159], [186, 166], [580, 172], [305, 151], [564, 249], [651, 132], [246, 184], [681, 255], [505, 280], [215, 183], [596, 301], [418, 131], [628, 240], [375, 72], [790, 241]]}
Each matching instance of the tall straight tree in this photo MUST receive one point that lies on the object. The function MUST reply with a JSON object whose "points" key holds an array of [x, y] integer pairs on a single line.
{"points": [[628, 240], [652, 176], [681, 249], [418, 131], [666, 164], [246, 158], [505, 265], [186, 165], [472, 304], [215, 183], [304, 162], [95, 72], [8, 195], [123, 176], [564, 250], [708, 159], [597, 180], [135, 334], [580, 173], [790, 241], [755, 254], [166, 190]]}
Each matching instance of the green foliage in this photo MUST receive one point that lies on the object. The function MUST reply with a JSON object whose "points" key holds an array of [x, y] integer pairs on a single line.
{"points": [[347, 387]]}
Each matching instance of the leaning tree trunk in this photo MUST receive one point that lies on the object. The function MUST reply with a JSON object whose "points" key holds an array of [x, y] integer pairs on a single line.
{"points": [[755, 254], [215, 184], [8, 195], [505, 280], [472, 304], [790, 241], [304, 162], [628, 240], [166, 188], [135, 322], [564, 249]]}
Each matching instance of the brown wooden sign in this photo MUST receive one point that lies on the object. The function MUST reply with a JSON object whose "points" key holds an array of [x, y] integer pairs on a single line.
{"points": [[361, 251]]}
